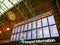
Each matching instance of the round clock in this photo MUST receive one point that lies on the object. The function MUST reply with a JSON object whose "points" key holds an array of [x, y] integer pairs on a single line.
{"points": [[11, 15]]}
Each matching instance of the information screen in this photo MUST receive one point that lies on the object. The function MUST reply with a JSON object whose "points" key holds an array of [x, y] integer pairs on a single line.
{"points": [[29, 35], [17, 38], [39, 29], [22, 27], [39, 33], [34, 34], [51, 20], [39, 23], [53, 30], [33, 24], [44, 22], [25, 27], [29, 26], [25, 35], [19, 29], [13, 31], [20, 36], [11, 38], [46, 32]]}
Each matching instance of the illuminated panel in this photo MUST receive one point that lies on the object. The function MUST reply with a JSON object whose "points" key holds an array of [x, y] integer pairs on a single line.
{"points": [[19, 29], [39, 33], [25, 35], [51, 20], [14, 37], [29, 26], [34, 34], [22, 27], [25, 28], [13, 30], [33, 24], [46, 32], [11, 38], [20, 36], [44, 22], [29, 35], [16, 30], [53, 30], [39, 23], [17, 37]]}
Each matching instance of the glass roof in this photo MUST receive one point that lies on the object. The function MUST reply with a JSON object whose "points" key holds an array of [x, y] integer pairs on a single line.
{"points": [[5, 5]]}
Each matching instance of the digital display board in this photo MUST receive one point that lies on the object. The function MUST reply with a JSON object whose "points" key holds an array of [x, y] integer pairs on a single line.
{"points": [[51, 20], [29, 26], [20, 36], [44, 22], [24, 35], [22, 27], [39, 23], [16, 30], [25, 27], [19, 29], [17, 37], [29, 35], [46, 32], [34, 34], [33, 24], [54, 31], [13, 31], [14, 37], [39, 33], [11, 38], [39, 29]]}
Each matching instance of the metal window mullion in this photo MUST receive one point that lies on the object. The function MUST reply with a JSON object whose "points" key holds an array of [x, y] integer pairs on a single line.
{"points": [[3, 9], [5, 5]]}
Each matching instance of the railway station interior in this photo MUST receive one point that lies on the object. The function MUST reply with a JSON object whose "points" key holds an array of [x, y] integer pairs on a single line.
{"points": [[29, 22]]}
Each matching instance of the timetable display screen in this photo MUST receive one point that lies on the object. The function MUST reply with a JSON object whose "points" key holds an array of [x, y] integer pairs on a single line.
{"points": [[29, 35], [39, 33], [34, 34], [38, 29]]}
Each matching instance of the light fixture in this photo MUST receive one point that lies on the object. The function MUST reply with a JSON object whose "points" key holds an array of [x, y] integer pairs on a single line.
{"points": [[8, 28], [0, 31]]}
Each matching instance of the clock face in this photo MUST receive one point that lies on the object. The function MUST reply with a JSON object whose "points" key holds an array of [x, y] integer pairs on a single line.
{"points": [[11, 16]]}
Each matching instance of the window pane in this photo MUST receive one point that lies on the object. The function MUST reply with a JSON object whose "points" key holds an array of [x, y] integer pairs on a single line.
{"points": [[39, 33], [29, 26], [34, 34], [14, 1], [38, 23], [46, 32], [19, 29], [33, 24], [3, 7], [44, 22], [25, 28], [25, 35], [51, 20], [1, 11], [7, 3], [29, 35], [54, 31]]}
